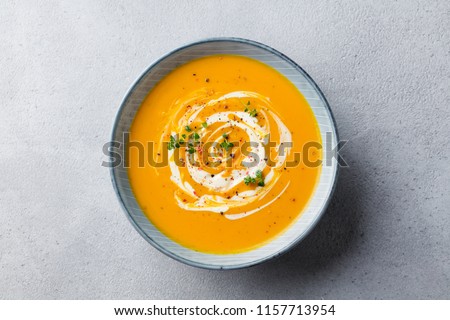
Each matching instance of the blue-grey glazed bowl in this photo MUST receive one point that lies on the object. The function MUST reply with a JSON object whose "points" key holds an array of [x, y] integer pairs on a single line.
{"points": [[320, 198]]}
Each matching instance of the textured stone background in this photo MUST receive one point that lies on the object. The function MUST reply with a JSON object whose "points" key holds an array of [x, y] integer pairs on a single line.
{"points": [[384, 67]]}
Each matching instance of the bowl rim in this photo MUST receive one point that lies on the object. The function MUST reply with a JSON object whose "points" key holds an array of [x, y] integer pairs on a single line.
{"points": [[269, 257]]}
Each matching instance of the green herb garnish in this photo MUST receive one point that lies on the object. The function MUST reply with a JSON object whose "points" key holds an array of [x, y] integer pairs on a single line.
{"points": [[259, 179], [225, 144], [204, 124], [248, 180], [253, 113], [171, 144], [188, 129]]}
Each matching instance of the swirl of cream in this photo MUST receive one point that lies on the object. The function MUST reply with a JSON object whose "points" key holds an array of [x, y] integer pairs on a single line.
{"points": [[201, 189]]}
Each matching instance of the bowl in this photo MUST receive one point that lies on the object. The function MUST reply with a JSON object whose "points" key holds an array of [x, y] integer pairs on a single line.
{"points": [[321, 195]]}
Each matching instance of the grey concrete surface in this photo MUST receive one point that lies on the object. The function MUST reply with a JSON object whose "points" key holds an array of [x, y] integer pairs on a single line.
{"points": [[384, 67]]}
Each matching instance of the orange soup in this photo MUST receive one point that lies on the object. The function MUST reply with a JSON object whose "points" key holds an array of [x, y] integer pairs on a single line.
{"points": [[222, 165]]}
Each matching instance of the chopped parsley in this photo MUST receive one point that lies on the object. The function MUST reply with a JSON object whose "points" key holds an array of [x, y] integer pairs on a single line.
{"points": [[259, 179], [248, 180], [188, 129], [177, 143], [172, 143], [225, 144], [204, 124], [253, 113]]}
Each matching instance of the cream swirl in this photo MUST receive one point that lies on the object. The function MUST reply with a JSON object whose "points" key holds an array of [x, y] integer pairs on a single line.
{"points": [[222, 144]]}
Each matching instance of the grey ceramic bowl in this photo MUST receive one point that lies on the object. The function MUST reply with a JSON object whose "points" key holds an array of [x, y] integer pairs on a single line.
{"points": [[321, 196]]}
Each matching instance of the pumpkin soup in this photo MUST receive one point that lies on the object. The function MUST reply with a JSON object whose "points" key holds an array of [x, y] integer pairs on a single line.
{"points": [[225, 139]]}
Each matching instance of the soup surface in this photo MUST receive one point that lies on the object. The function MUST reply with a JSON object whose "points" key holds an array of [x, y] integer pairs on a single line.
{"points": [[224, 154]]}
